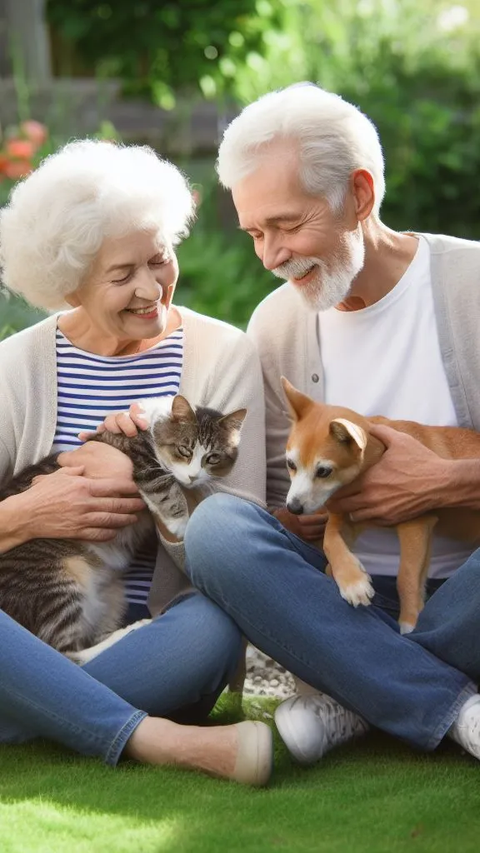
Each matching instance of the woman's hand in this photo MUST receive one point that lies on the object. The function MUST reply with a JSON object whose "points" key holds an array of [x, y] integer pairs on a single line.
{"points": [[69, 505], [127, 422], [310, 528], [99, 460]]}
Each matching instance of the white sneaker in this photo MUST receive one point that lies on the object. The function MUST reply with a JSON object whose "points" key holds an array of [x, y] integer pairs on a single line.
{"points": [[311, 725], [466, 728]]}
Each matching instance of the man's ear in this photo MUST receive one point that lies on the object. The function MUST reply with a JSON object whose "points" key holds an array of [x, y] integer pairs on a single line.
{"points": [[346, 431], [298, 403], [363, 187]]}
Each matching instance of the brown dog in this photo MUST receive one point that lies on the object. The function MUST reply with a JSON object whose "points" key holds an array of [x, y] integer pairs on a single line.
{"points": [[329, 447]]}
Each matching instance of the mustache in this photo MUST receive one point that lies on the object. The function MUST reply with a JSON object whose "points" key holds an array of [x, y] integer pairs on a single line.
{"points": [[295, 268]]}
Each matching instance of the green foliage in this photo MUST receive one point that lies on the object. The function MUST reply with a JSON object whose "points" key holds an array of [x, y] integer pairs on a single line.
{"points": [[220, 274], [15, 314], [418, 79], [413, 68], [409, 66], [162, 48]]}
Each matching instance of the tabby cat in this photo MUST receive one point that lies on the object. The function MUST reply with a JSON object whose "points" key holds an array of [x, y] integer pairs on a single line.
{"points": [[71, 593]]}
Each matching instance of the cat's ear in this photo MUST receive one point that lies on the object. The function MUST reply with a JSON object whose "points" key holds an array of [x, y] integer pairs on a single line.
{"points": [[182, 410], [234, 420]]}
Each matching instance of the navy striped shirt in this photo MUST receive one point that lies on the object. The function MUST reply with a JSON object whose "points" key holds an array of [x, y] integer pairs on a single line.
{"points": [[92, 386]]}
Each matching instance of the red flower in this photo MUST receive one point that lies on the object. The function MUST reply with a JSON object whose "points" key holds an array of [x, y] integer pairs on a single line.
{"points": [[15, 169], [34, 131], [4, 161], [22, 149]]}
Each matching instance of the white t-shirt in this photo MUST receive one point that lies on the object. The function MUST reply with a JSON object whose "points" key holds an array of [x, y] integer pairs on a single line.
{"points": [[385, 360]]}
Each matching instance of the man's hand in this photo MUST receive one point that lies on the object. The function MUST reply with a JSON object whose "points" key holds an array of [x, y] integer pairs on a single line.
{"points": [[408, 480], [310, 528], [67, 505]]}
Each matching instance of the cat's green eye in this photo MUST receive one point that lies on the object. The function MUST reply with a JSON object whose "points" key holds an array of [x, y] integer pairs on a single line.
{"points": [[184, 451], [213, 458]]}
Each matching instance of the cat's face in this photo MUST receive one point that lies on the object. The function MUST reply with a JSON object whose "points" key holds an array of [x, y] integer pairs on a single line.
{"points": [[197, 445]]}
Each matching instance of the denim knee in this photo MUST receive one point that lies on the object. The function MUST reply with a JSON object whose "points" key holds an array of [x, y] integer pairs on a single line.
{"points": [[213, 513], [210, 530], [216, 637]]}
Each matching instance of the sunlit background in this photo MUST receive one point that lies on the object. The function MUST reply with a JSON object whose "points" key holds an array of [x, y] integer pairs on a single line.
{"points": [[172, 74]]}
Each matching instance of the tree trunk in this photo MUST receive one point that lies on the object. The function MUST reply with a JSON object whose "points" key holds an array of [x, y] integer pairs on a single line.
{"points": [[25, 40]]}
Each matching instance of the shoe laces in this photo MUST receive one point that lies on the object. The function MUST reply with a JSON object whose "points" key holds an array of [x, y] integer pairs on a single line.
{"points": [[339, 724]]}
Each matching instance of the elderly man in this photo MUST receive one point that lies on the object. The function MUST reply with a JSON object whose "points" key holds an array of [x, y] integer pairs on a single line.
{"points": [[384, 323]]}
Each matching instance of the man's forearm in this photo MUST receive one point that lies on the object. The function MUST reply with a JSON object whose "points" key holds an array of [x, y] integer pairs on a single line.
{"points": [[463, 484]]}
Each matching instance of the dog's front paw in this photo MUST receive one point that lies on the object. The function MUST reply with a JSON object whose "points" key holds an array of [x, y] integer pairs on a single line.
{"points": [[358, 591]]}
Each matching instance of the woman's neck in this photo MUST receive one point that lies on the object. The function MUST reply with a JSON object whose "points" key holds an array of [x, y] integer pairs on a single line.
{"points": [[77, 326]]}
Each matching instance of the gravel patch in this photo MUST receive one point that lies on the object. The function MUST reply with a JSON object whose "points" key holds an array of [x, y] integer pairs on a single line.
{"points": [[265, 677]]}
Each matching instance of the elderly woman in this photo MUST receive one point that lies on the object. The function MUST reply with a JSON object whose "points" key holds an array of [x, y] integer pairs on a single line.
{"points": [[94, 230]]}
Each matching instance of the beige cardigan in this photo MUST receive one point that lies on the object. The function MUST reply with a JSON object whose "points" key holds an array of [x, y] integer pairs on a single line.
{"points": [[286, 335], [220, 369]]}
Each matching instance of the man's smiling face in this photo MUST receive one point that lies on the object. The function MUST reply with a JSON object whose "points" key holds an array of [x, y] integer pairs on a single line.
{"points": [[296, 235]]}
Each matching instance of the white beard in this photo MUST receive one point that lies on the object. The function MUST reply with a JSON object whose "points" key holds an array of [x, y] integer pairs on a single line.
{"points": [[332, 281]]}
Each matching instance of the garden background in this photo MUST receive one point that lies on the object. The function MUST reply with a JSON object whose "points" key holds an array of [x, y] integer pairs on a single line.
{"points": [[172, 74]]}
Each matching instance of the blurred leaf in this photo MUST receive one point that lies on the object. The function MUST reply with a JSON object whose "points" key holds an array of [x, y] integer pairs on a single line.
{"points": [[158, 47]]}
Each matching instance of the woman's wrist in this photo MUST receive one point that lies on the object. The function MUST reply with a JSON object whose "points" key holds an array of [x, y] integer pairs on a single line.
{"points": [[13, 523]]}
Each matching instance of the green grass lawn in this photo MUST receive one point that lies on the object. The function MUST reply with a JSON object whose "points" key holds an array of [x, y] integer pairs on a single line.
{"points": [[374, 796]]}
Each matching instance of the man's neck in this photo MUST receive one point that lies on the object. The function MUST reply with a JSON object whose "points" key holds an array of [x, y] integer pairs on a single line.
{"points": [[388, 254]]}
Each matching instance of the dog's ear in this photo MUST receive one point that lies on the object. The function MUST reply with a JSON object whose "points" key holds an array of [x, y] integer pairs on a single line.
{"points": [[346, 431], [298, 403]]}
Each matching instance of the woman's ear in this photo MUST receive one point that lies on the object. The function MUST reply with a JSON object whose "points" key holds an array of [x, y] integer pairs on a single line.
{"points": [[72, 299]]}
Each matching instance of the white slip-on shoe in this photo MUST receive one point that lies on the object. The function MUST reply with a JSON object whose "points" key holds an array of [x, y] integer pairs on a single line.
{"points": [[254, 762], [466, 728], [312, 725]]}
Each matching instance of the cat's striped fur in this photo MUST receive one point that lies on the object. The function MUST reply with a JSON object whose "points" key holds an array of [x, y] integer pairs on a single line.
{"points": [[70, 593]]}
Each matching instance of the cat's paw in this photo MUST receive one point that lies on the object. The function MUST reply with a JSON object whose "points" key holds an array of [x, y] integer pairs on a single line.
{"points": [[81, 657], [177, 526]]}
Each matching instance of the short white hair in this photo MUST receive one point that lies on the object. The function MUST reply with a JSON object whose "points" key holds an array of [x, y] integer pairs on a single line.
{"points": [[332, 137], [58, 217]]}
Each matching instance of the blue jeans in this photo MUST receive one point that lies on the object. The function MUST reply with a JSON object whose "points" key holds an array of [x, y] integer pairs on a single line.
{"points": [[272, 584], [174, 667]]}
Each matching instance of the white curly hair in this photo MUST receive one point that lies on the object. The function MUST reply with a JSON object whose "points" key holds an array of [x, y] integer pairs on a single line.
{"points": [[333, 138], [58, 217]]}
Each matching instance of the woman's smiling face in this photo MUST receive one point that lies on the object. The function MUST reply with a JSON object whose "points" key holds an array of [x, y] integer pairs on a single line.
{"points": [[129, 288]]}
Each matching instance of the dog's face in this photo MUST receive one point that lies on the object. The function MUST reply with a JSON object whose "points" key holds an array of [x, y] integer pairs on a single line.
{"points": [[324, 451]]}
